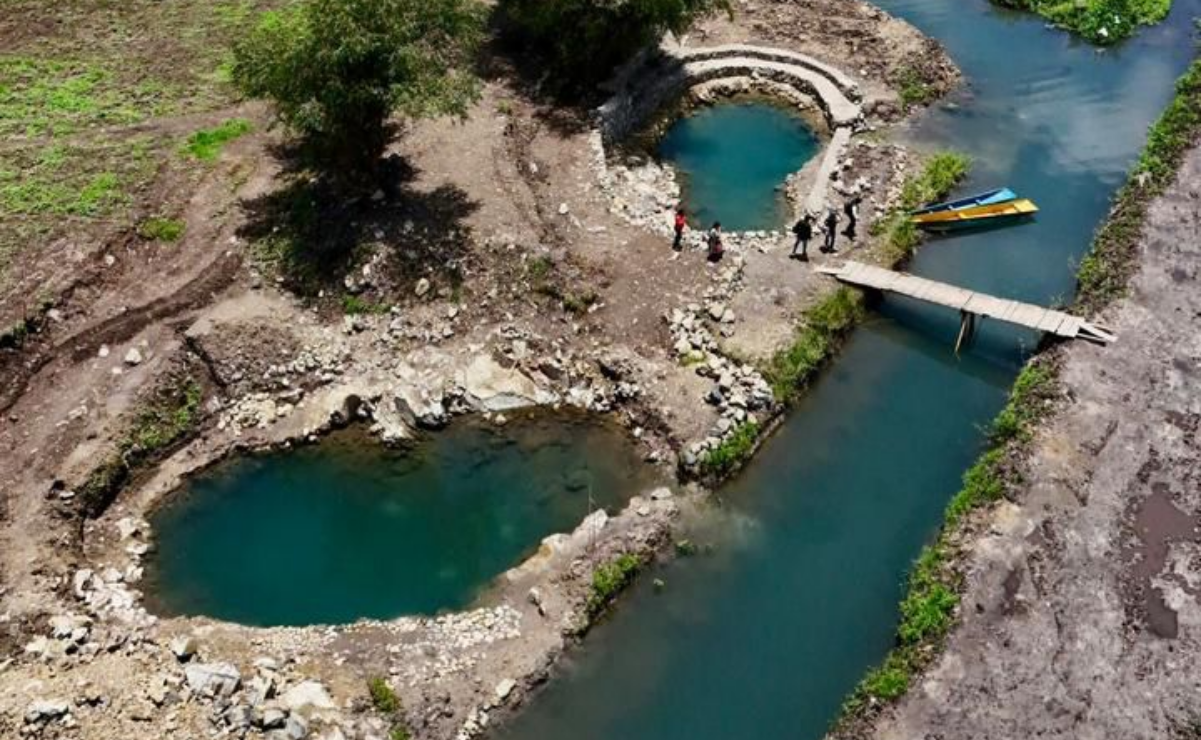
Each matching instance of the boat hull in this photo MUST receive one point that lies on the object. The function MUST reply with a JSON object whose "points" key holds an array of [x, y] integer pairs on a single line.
{"points": [[1000, 214], [987, 198]]}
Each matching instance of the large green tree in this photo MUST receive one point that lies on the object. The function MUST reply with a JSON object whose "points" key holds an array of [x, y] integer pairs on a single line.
{"points": [[337, 70], [586, 39]]}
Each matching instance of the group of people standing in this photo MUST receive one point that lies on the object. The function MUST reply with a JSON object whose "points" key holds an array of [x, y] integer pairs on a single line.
{"points": [[803, 230]]}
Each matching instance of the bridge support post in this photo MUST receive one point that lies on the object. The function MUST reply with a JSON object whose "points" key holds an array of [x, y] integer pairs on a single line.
{"points": [[967, 327]]}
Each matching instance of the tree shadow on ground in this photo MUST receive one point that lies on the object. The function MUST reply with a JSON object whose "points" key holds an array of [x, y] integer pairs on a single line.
{"points": [[315, 229]]}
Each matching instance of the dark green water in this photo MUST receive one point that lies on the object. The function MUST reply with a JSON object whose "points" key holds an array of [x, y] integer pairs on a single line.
{"points": [[765, 637], [348, 529], [733, 158]]}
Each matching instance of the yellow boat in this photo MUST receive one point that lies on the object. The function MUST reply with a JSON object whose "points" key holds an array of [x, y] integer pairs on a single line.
{"points": [[997, 214]]}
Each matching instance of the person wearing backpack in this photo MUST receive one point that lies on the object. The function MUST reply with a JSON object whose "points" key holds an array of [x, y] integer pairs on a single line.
{"points": [[804, 232]]}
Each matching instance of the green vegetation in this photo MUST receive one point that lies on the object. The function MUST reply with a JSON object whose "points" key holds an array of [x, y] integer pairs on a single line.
{"points": [[1100, 21], [1106, 270], [736, 448], [385, 701], [914, 89], [383, 698], [336, 70], [610, 579], [206, 144], [822, 329], [942, 172], [928, 609], [161, 229], [62, 96], [585, 39], [169, 417], [353, 305]]}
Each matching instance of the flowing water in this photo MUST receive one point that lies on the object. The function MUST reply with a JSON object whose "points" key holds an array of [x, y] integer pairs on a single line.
{"points": [[764, 637], [733, 158], [349, 529]]}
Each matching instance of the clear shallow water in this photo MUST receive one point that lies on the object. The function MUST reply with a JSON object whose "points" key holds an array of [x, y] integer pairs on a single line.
{"points": [[765, 637], [733, 158], [348, 529]]}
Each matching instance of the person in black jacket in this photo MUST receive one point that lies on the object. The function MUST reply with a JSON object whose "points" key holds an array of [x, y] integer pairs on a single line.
{"points": [[851, 209], [804, 232], [831, 231]]}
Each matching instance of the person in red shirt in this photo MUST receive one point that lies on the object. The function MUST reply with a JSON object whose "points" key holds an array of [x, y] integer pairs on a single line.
{"points": [[681, 223]]}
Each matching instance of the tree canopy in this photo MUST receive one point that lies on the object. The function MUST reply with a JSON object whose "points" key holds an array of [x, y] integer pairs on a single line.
{"points": [[337, 70], [586, 39]]}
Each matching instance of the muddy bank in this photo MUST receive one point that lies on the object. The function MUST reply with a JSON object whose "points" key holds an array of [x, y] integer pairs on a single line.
{"points": [[1081, 613]]}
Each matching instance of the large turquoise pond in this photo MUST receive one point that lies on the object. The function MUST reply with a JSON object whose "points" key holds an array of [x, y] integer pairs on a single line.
{"points": [[733, 158], [347, 529], [764, 638]]}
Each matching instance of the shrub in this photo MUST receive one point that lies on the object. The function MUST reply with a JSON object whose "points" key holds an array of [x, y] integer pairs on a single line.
{"points": [[337, 69], [586, 39]]}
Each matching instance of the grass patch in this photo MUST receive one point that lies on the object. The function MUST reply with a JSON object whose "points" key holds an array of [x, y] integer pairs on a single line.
{"points": [[206, 144], [914, 89], [383, 698], [609, 579], [353, 305], [942, 172], [1105, 272], [161, 229], [166, 419], [735, 449], [823, 328], [1101, 22]]}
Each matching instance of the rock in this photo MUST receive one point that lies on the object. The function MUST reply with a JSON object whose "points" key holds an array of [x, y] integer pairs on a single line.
{"points": [[307, 695], [213, 679], [716, 311], [259, 689], [44, 710], [660, 494], [103, 351], [504, 688], [184, 647], [423, 287], [296, 728], [564, 209], [272, 719], [133, 356], [239, 716]]}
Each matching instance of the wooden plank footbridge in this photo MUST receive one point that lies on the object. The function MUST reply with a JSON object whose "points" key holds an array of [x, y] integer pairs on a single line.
{"points": [[970, 304]]}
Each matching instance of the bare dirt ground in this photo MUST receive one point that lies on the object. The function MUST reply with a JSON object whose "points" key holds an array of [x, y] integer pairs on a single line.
{"points": [[1082, 616], [488, 265]]}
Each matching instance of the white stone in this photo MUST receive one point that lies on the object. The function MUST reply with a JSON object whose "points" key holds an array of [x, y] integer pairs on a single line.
{"points": [[213, 679], [307, 694], [504, 688], [133, 356]]}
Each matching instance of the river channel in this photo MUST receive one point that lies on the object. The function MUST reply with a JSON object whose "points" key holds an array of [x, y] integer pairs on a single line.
{"points": [[764, 637]]}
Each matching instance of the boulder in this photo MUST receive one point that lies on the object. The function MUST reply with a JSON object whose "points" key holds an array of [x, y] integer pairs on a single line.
{"points": [[44, 710], [213, 679], [306, 695], [133, 356], [184, 647]]}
